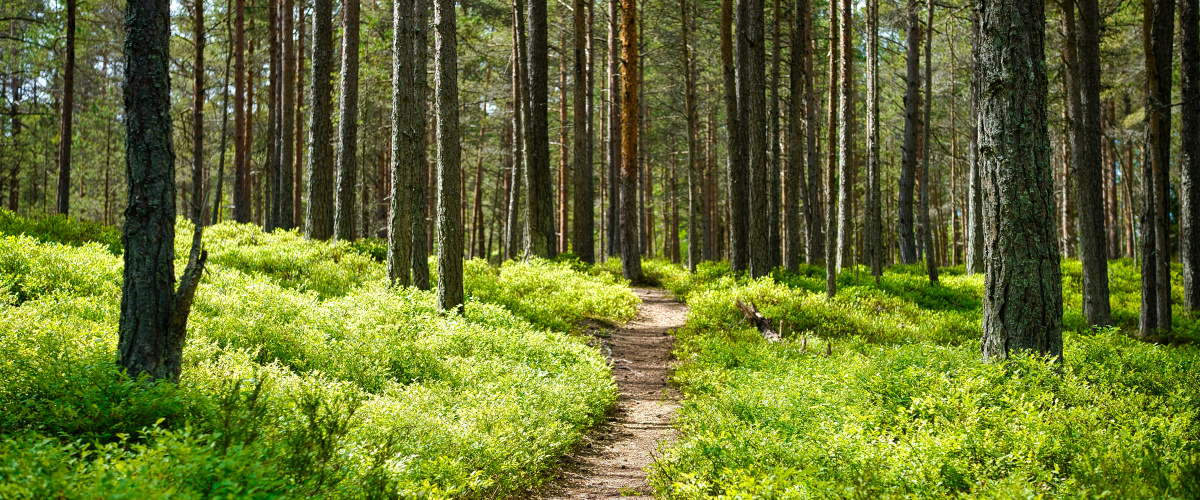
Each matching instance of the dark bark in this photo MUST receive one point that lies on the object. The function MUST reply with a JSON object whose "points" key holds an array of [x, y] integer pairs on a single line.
{"points": [[1189, 160], [298, 165], [975, 182], [513, 237], [347, 160], [285, 178], [1157, 34], [153, 321], [794, 189], [318, 222], [65, 137], [562, 193], [873, 245], [908, 160], [241, 166], [688, 66], [751, 82], [831, 172], [449, 216], [196, 209], [539, 203], [738, 173], [614, 128], [405, 167], [814, 230], [584, 216], [1022, 304], [275, 132], [845, 236], [1089, 169], [420, 170], [219, 196], [631, 259], [775, 160], [931, 261]]}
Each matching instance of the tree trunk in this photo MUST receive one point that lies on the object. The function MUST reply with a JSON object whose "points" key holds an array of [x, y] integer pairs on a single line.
{"points": [[286, 179], [775, 165], [631, 259], [1157, 34], [814, 231], [751, 81], [563, 193], [241, 166], [539, 209], [1089, 168], [830, 172], [153, 321], [420, 168], [318, 222], [477, 207], [347, 178], [219, 196], [794, 189], [68, 110], [908, 159], [975, 186], [688, 65], [275, 127], [1022, 304], [582, 238], [873, 247], [196, 209], [845, 238], [449, 217], [931, 262], [297, 169], [614, 128], [738, 177], [407, 135], [1189, 160], [513, 237]]}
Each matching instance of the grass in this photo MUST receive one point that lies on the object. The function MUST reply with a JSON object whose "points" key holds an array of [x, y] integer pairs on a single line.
{"points": [[305, 375], [903, 407]]}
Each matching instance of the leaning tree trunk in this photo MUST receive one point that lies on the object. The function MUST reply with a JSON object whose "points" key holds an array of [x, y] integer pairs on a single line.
{"points": [[1157, 35], [631, 258], [908, 159], [196, 209], [347, 178], [926, 147], [1022, 304], [584, 213], [845, 235], [539, 202], [153, 321], [449, 214], [68, 112], [1189, 161], [318, 223], [1089, 169]]}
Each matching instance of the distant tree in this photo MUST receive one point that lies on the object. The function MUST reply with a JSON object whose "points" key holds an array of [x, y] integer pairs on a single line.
{"points": [[631, 258], [1022, 300], [975, 182], [830, 170], [814, 231], [318, 223], [241, 166], [449, 168], [285, 177], [347, 172], [688, 66], [614, 127], [65, 137], [275, 130], [1158, 26], [775, 155], [926, 149], [153, 321]]}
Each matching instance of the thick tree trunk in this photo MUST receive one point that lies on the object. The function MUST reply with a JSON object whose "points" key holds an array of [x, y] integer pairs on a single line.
{"points": [[751, 82], [738, 204], [1089, 168], [539, 204], [1157, 34], [631, 259], [347, 160], [66, 119], [449, 216], [318, 222], [153, 321], [584, 215], [420, 170], [1189, 158], [196, 209], [931, 261], [408, 117], [241, 162], [845, 237], [1022, 305], [873, 247], [908, 160], [286, 179]]}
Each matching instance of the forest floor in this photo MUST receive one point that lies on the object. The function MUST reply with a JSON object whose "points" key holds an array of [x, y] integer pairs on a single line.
{"points": [[612, 461]]}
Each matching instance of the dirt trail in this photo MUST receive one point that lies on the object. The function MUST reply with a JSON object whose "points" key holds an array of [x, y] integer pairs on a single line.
{"points": [[613, 459]]}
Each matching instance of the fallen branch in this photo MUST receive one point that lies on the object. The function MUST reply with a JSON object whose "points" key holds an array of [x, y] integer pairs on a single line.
{"points": [[761, 322]]}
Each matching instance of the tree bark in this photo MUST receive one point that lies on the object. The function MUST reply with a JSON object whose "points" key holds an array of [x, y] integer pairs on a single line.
{"points": [[196, 209], [1089, 168], [631, 259], [449, 217], [539, 204], [614, 128], [420, 169], [298, 165], [751, 85], [814, 231], [738, 176], [931, 261], [831, 172], [873, 247], [908, 159], [688, 65], [563, 191], [219, 196], [153, 321], [347, 160], [65, 137], [407, 135], [1158, 28], [775, 159], [513, 237], [241, 165], [975, 182], [794, 188], [1189, 159], [286, 179], [318, 222], [845, 237], [584, 215], [1022, 304]]}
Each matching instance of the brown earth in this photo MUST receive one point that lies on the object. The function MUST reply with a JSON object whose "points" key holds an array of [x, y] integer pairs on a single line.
{"points": [[612, 461]]}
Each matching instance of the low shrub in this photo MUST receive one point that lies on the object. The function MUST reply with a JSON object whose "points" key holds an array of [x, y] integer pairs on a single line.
{"points": [[60, 229]]}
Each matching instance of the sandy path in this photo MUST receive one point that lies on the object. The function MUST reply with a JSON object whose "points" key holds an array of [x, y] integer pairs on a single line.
{"points": [[613, 459]]}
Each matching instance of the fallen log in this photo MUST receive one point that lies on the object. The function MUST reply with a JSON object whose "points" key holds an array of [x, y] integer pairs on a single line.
{"points": [[761, 322]]}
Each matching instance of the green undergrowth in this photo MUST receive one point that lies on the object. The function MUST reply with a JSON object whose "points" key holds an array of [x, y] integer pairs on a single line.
{"points": [[60, 229], [881, 393], [305, 375]]}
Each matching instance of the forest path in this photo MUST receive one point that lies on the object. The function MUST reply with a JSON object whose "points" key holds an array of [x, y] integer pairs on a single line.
{"points": [[612, 461]]}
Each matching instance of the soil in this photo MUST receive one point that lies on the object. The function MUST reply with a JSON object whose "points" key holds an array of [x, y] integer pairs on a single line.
{"points": [[612, 461]]}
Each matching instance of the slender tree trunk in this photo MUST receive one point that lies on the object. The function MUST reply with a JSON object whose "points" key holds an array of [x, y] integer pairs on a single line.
{"points": [[614, 128], [631, 259], [297, 169], [219, 197], [513, 238], [687, 60], [794, 190], [407, 135], [65, 137], [1089, 168], [449, 217], [562, 220], [873, 248], [539, 210], [1158, 28], [814, 230], [347, 160], [196, 210], [975, 187], [1189, 131], [274, 153], [931, 262], [318, 222], [908, 160], [775, 165], [739, 176], [420, 171], [241, 163], [477, 207], [831, 172], [751, 82], [286, 179], [582, 240], [1022, 304], [846, 153], [153, 321]]}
